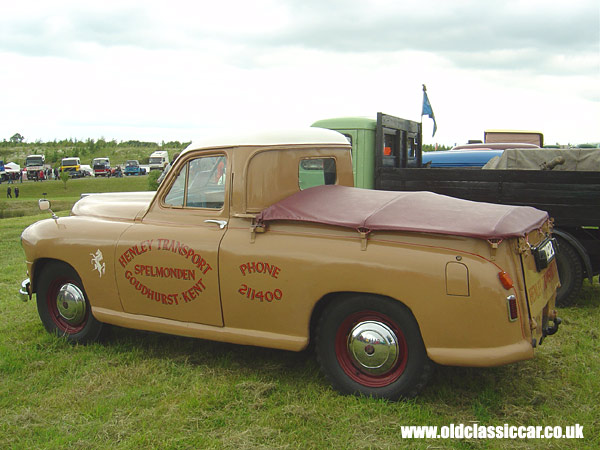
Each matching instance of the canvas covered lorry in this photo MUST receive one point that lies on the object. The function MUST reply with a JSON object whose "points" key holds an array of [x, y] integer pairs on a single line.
{"points": [[388, 156], [235, 246]]}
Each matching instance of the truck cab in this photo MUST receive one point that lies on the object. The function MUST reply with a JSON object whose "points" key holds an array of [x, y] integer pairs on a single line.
{"points": [[101, 167], [159, 160], [72, 165], [33, 165], [514, 136], [132, 167], [387, 141]]}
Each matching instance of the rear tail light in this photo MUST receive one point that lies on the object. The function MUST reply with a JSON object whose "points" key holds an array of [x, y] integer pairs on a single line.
{"points": [[506, 280], [513, 310]]}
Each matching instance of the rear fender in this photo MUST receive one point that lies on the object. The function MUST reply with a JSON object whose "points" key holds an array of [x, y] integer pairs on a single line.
{"points": [[580, 249]]}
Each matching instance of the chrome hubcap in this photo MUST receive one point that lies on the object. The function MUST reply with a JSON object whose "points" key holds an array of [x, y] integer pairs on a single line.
{"points": [[374, 347], [70, 303]]}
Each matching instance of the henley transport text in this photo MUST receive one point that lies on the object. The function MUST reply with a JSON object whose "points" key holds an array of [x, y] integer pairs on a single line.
{"points": [[170, 245]]}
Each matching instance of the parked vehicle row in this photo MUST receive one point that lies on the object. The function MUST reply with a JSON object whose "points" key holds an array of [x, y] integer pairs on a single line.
{"points": [[99, 167]]}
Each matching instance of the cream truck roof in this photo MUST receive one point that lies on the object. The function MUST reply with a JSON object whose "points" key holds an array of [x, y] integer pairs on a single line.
{"points": [[302, 136]]}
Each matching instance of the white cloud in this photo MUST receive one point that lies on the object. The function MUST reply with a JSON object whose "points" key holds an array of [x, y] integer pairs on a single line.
{"points": [[156, 70]]}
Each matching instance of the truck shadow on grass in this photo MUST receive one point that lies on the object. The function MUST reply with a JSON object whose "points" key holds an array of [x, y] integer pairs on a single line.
{"points": [[482, 391], [218, 357]]}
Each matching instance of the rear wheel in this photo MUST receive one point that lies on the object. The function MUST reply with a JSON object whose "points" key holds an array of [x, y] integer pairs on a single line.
{"points": [[63, 305], [372, 346], [570, 272]]}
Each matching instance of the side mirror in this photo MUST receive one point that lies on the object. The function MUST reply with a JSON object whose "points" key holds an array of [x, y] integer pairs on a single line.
{"points": [[44, 205]]}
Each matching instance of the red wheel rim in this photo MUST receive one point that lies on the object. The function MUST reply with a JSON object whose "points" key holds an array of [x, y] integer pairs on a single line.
{"points": [[51, 301], [352, 367]]}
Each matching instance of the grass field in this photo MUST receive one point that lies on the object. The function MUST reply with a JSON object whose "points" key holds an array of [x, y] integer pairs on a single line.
{"points": [[62, 196], [147, 390]]}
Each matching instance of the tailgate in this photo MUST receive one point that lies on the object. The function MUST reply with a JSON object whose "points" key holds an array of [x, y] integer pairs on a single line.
{"points": [[541, 281]]}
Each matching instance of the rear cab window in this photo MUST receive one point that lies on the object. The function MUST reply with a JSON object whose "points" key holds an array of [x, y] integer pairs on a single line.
{"points": [[316, 172]]}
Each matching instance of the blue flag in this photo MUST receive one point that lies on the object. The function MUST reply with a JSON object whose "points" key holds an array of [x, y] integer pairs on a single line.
{"points": [[427, 110]]}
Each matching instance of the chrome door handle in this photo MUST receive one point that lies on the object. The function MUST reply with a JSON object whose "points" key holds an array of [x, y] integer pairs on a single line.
{"points": [[222, 223]]}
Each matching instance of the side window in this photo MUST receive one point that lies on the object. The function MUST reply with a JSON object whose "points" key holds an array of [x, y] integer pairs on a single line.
{"points": [[199, 184], [390, 150], [176, 194], [316, 172]]}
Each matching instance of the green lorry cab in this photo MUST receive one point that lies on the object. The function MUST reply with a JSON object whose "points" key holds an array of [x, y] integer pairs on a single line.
{"points": [[398, 141]]}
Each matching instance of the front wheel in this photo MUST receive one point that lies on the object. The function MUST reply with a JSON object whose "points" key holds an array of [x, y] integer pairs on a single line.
{"points": [[372, 346], [63, 305]]}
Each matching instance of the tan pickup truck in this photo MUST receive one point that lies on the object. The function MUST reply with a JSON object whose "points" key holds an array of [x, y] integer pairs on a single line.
{"points": [[262, 240]]}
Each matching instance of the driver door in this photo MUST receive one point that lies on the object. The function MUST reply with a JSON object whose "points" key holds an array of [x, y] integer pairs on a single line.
{"points": [[167, 264]]}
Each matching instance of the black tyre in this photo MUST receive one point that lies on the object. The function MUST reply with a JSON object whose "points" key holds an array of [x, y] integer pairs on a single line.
{"points": [[372, 346], [570, 272], [63, 305]]}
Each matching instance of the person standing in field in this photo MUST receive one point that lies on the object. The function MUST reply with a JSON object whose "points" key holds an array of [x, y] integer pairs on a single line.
{"points": [[8, 192], [16, 192]]}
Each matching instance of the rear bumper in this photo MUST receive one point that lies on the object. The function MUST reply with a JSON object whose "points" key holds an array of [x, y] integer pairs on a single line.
{"points": [[25, 291], [482, 357]]}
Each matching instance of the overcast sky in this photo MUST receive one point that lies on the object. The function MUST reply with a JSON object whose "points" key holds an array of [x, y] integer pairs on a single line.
{"points": [[175, 70]]}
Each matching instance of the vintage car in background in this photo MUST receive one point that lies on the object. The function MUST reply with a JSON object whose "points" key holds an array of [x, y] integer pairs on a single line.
{"points": [[86, 170], [237, 246], [132, 167]]}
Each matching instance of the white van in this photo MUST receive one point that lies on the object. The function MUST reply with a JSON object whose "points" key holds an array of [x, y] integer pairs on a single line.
{"points": [[159, 160]]}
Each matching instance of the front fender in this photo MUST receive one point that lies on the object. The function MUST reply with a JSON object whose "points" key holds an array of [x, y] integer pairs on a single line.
{"points": [[87, 245]]}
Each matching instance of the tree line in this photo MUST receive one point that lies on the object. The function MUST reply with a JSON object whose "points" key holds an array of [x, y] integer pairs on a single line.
{"points": [[90, 144], [16, 147]]}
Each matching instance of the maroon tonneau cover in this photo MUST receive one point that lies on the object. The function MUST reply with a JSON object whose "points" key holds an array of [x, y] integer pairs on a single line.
{"points": [[423, 212]]}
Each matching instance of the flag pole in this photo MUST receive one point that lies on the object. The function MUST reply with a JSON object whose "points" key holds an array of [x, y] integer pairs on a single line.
{"points": [[424, 94]]}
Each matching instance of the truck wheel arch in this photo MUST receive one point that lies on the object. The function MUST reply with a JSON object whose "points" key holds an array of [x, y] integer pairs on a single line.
{"points": [[63, 306], [36, 270], [571, 264], [580, 249], [323, 303], [38, 267], [392, 366]]}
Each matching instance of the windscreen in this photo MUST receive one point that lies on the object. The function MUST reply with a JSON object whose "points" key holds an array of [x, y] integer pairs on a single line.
{"points": [[34, 161]]}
